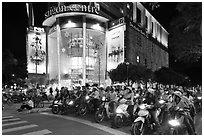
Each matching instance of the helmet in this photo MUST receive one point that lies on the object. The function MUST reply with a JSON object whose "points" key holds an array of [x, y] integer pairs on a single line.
{"points": [[129, 88], [178, 93], [150, 90]]}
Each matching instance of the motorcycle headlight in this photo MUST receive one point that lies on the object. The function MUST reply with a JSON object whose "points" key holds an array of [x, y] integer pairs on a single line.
{"points": [[142, 106], [161, 101], [87, 97], [174, 123], [103, 98], [71, 102], [199, 98], [56, 101], [118, 110], [136, 95]]}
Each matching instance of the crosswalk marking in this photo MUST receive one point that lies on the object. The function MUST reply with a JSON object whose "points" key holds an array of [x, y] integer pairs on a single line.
{"points": [[41, 132], [14, 123], [12, 119], [7, 117], [18, 128]]}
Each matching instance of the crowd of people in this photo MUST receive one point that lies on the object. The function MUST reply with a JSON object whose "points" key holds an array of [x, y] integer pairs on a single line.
{"points": [[150, 93], [138, 92]]}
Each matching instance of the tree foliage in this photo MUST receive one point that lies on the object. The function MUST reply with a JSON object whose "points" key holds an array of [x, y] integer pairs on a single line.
{"points": [[186, 41], [8, 65], [168, 76], [131, 71]]}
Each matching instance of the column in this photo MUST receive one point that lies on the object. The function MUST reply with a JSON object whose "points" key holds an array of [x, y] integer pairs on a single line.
{"points": [[84, 52], [58, 51]]}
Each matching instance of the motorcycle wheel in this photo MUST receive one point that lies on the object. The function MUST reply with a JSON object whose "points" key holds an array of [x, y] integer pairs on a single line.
{"points": [[138, 128], [173, 132], [82, 110], [55, 109], [99, 115], [10, 102], [117, 121], [41, 104]]}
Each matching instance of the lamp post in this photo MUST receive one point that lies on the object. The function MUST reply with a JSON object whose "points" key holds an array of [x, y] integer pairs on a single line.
{"points": [[127, 64]]}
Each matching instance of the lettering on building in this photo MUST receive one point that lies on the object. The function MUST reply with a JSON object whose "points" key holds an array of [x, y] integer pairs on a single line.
{"points": [[73, 8]]}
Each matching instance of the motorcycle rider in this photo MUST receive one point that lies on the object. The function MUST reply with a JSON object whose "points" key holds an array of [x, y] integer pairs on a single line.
{"points": [[189, 98], [151, 99], [179, 101], [127, 98], [95, 94]]}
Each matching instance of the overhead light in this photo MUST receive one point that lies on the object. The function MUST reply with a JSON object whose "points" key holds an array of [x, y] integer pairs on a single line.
{"points": [[70, 24], [96, 27], [128, 6]]}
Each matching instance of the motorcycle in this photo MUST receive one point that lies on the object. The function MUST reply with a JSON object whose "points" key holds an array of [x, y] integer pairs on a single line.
{"points": [[65, 106], [176, 122], [122, 115], [86, 106], [56, 106], [143, 122], [198, 103], [104, 110]]}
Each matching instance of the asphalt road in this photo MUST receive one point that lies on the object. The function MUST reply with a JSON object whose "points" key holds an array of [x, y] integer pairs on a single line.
{"points": [[14, 123]]}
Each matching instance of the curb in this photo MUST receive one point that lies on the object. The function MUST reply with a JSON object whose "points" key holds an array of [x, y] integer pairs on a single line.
{"points": [[37, 110]]}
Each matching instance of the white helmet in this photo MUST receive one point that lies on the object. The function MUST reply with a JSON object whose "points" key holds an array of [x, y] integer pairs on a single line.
{"points": [[178, 93], [150, 90], [129, 88]]}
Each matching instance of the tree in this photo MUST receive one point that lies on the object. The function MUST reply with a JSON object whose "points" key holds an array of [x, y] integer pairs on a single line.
{"points": [[131, 72], [168, 76], [8, 65], [186, 41]]}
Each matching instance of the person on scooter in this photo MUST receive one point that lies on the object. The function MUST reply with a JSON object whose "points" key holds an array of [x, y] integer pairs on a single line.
{"points": [[150, 99], [189, 99], [127, 98], [180, 102], [95, 100]]}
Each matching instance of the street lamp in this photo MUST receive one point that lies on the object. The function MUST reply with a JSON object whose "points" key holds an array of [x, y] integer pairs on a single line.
{"points": [[127, 64]]}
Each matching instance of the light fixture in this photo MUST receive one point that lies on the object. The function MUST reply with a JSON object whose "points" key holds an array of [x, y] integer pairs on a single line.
{"points": [[70, 24], [63, 49], [96, 27]]}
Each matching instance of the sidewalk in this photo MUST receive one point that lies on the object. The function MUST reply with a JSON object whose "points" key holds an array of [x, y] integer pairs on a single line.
{"points": [[44, 109], [13, 109]]}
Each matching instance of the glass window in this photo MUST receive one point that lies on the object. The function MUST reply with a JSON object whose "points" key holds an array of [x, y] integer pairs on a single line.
{"points": [[146, 22], [152, 27], [138, 15]]}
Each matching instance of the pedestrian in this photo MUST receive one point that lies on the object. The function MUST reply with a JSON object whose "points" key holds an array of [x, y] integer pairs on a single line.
{"points": [[51, 91], [28, 105]]}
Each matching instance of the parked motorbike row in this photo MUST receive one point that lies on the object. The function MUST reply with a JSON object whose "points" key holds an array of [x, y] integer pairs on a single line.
{"points": [[122, 114]]}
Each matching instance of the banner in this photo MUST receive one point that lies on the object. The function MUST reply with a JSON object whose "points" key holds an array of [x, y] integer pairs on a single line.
{"points": [[36, 51], [115, 47]]}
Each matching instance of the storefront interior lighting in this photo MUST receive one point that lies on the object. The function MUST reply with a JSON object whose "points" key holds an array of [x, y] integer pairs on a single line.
{"points": [[63, 49], [70, 24], [96, 27]]}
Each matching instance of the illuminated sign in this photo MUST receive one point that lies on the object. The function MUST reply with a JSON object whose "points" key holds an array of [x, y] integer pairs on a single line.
{"points": [[36, 50], [115, 47], [73, 8]]}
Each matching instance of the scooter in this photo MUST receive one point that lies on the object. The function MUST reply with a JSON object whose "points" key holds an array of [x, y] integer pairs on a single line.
{"points": [[104, 110], [143, 122], [65, 106], [86, 106], [122, 115], [176, 122]]}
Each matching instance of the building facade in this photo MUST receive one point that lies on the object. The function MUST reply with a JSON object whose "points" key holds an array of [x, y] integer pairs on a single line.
{"points": [[86, 40]]}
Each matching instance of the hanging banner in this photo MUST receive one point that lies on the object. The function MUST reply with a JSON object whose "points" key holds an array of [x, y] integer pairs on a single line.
{"points": [[36, 50], [115, 47]]}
